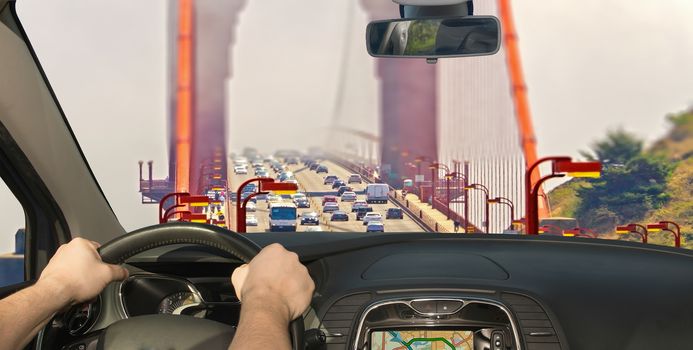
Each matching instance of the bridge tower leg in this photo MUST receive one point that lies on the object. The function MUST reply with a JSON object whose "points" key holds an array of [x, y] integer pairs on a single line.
{"points": [[215, 23], [408, 110]]}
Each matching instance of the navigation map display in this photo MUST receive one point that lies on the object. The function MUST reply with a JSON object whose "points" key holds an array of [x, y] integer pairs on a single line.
{"points": [[422, 339]]}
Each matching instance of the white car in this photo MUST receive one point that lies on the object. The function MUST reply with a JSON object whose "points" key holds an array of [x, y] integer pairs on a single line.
{"points": [[240, 170], [273, 199], [348, 196], [250, 207], [250, 220], [298, 195], [372, 217], [330, 207], [313, 229], [354, 178], [375, 226]]}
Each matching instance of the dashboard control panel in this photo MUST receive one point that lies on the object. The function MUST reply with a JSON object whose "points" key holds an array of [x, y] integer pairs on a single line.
{"points": [[453, 323]]}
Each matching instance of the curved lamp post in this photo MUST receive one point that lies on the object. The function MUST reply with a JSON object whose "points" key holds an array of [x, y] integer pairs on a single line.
{"points": [[457, 175], [435, 166], [505, 201], [560, 167], [665, 226], [633, 228], [485, 189], [264, 186]]}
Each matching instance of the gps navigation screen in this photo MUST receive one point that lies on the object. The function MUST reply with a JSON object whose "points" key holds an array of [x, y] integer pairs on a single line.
{"points": [[422, 340]]}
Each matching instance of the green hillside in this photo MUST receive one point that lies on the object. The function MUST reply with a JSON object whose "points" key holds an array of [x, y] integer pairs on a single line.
{"points": [[637, 185]]}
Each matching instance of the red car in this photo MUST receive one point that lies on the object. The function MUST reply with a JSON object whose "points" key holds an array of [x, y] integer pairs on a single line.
{"points": [[326, 199]]}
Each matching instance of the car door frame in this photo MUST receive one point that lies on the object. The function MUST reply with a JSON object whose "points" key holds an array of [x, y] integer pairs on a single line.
{"points": [[45, 224]]}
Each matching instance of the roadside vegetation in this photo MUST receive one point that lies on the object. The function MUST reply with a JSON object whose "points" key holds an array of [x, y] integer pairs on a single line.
{"points": [[638, 184]]}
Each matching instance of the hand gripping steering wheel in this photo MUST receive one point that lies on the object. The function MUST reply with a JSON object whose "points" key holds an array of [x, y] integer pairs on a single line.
{"points": [[174, 331]]}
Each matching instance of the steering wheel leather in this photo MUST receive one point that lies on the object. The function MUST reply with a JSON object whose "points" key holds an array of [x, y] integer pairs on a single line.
{"points": [[150, 328]]}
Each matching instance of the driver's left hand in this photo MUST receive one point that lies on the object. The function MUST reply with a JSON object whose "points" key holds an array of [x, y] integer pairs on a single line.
{"points": [[77, 269]]}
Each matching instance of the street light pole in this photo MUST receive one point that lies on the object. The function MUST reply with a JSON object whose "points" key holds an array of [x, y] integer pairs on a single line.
{"points": [[240, 205], [433, 186], [560, 167], [435, 167], [508, 202], [677, 233], [664, 226], [486, 207], [164, 213], [531, 216], [447, 193], [633, 228]]}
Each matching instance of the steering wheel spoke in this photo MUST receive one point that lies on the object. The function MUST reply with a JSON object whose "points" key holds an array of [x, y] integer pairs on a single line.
{"points": [[176, 331]]}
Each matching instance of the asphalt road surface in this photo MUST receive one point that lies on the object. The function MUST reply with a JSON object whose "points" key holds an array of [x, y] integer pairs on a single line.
{"points": [[313, 185]]}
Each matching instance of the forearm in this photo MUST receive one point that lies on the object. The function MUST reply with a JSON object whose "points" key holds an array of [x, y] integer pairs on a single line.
{"points": [[24, 313], [261, 327]]}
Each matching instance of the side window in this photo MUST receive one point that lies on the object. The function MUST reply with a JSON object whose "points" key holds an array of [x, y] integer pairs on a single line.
{"points": [[11, 238]]}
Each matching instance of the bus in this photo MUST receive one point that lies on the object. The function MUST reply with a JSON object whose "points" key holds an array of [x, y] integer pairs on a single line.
{"points": [[282, 217]]}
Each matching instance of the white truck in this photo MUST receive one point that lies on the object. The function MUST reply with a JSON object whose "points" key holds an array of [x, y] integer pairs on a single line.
{"points": [[282, 217], [377, 193]]}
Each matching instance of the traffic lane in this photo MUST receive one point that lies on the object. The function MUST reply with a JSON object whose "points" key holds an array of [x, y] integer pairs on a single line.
{"points": [[262, 212], [234, 181], [313, 182], [341, 173]]}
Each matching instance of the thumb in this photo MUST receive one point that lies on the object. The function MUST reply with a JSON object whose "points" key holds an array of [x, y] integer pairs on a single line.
{"points": [[118, 273], [238, 279]]}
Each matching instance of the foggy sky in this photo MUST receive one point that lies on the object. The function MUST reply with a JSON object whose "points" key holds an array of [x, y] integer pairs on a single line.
{"points": [[590, 65]]}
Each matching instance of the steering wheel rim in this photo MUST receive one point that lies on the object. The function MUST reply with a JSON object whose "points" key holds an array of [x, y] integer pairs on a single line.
{"points": [[118, 250]]}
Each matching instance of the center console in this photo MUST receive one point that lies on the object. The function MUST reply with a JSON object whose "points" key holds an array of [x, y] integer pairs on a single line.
{"points": [[442, 322]]}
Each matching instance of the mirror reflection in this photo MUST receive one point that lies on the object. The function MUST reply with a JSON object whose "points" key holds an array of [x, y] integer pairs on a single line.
{"points": [[434, 37]]}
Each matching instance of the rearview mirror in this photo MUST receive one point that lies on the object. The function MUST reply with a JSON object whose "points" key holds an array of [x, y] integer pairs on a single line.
{"points": [[434, 37]]}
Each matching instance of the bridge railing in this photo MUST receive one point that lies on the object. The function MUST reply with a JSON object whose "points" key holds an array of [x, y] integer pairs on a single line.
{"points": [[416, 210]]}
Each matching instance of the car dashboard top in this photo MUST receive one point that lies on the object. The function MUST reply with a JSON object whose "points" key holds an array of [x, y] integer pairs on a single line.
{"points": [[409, 291]]}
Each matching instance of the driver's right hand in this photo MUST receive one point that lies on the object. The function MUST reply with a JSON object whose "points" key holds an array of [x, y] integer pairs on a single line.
{"points": [[275, 278]]}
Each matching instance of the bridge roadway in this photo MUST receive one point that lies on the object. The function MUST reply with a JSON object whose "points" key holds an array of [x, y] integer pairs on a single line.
{"points": [[313, 185]]}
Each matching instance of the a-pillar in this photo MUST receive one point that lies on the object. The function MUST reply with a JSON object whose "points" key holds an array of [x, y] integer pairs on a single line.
{"points": [[408, 104]]}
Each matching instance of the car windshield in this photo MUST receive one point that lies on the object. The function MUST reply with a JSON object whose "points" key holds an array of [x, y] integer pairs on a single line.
{"points": [[283, 213], [598, 97]]}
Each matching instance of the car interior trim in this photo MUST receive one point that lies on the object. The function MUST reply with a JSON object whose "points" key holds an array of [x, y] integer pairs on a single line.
{"points": [[408, 301]]}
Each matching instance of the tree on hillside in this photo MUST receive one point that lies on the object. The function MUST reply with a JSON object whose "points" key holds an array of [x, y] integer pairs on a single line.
{"points": [[632, 182], [618, 148], [624, 193]]}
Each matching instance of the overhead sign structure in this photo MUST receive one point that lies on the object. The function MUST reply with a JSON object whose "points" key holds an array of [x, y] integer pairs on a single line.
{"points": [[279, 187], [193, 217], [578, 169], [195, 201]]}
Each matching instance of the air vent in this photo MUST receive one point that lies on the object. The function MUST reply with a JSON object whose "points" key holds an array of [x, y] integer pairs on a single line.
{"points": [[536, 328], [339, 319]]}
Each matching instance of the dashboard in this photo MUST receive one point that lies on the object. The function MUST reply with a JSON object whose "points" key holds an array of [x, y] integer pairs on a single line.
{"points": [[429, 291]]}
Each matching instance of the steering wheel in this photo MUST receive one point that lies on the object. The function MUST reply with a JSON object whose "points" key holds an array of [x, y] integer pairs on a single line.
{"points": [[173, 331]]}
